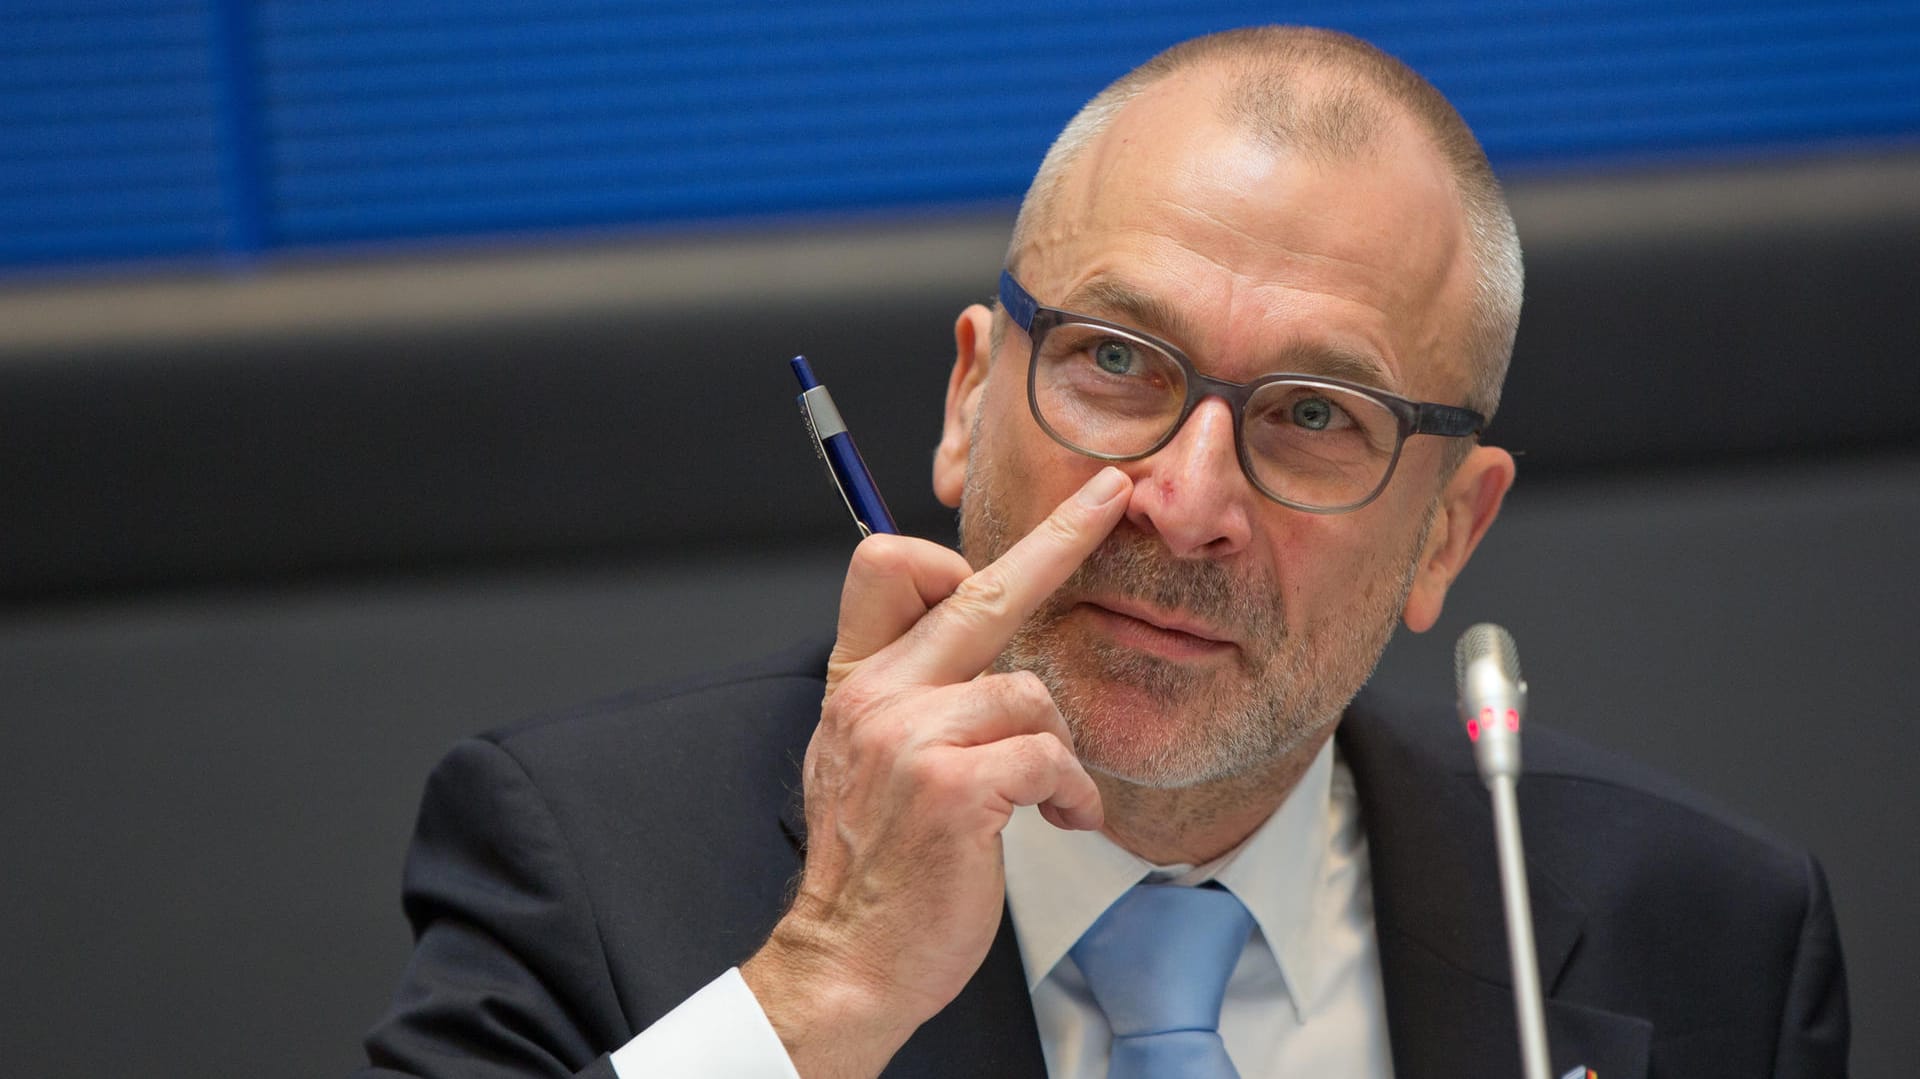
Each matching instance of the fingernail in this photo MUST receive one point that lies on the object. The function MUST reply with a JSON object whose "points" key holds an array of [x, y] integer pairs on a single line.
{"points": [[1102, 487]]}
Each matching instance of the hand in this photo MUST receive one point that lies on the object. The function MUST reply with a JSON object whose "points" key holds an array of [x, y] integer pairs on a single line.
{"points": [[917, 763]]}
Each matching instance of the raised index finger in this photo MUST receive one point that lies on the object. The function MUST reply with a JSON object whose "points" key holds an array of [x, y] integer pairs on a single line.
{"points": [[962, 635]]}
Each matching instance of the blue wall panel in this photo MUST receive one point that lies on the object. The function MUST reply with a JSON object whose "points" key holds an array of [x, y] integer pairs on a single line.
{"points": [[109, 143], [235, 126]]}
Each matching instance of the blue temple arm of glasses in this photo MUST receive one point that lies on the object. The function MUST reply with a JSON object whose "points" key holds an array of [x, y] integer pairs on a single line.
{"points": [[1019, 303], [1448, 420]]}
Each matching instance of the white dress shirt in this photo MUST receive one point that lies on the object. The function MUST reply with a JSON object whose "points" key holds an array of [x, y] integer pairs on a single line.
{"points": [[1304, 1000]]}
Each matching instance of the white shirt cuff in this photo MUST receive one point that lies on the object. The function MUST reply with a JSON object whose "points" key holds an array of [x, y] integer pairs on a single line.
{"points": [[721, 1032]]}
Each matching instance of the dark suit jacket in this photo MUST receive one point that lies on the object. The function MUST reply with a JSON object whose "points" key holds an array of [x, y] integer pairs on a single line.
{"points": [[574, 878]]}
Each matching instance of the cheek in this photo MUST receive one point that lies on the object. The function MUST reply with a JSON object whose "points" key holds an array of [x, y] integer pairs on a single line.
{"points": [[1328, 567], [1031, 472], [1306, 557]]}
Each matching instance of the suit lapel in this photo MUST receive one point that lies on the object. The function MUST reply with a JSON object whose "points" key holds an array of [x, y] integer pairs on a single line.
{"points": [[1439, 919]]}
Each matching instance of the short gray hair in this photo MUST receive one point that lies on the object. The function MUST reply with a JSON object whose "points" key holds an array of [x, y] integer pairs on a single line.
{"points": [[1338, 118]]}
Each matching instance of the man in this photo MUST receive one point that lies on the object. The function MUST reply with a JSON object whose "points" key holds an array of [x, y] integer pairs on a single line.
{"points": [[1213, 441]]}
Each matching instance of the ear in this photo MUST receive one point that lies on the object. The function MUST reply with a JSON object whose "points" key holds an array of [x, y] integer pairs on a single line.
{"points": [[972, 357], [1468, 505]]}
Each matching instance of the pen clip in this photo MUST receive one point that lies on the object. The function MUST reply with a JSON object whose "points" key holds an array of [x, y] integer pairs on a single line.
{"points": [[823, 421]]}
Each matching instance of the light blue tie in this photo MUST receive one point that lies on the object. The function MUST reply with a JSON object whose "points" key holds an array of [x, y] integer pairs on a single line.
{"points": [[1157, 963]]}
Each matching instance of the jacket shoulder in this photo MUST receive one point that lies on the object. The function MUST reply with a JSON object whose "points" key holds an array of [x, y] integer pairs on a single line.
{"points": [[1608, 787], [770, 704]]}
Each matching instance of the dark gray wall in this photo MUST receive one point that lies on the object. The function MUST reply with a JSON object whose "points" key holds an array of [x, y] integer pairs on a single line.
{"points": [[272, 544], [363, 416]]}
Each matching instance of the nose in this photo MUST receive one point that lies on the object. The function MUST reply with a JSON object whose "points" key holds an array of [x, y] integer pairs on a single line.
{"points": [[1192, 493]]}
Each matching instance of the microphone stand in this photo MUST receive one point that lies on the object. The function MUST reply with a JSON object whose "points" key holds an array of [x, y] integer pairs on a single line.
{"points": [[1520, 949], [1492, 697]]}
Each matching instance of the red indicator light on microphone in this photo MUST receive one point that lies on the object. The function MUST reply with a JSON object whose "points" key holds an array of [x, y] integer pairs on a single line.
{"points": [[1473, 730], [1513, 719]]}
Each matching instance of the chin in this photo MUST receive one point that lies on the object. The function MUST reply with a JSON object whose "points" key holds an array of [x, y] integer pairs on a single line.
{"points": [[1150, 751], [1155, 723]]}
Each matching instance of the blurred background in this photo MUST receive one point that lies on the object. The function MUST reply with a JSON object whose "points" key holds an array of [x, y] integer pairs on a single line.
{"points": [[372, 373]]}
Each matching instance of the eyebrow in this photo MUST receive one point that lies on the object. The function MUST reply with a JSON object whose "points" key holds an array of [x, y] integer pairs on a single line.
{"points": [[1347, 365], [1114, 299]]}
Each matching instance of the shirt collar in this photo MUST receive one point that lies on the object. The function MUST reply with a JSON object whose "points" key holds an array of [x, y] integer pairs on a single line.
{"points": [[1059, 882]]}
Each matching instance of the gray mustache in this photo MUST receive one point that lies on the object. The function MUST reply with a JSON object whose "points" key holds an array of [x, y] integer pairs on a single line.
{"points": [[1133, 564]]}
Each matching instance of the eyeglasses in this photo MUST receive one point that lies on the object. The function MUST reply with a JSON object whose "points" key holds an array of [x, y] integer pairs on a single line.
{"points": [[1322, 445]]}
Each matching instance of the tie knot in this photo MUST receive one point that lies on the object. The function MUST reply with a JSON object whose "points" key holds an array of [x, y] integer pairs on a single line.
{"points": [[1158, 960]]}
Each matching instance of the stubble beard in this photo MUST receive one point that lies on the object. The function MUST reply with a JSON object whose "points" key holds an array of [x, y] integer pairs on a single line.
{"points": [[1157, 723]]}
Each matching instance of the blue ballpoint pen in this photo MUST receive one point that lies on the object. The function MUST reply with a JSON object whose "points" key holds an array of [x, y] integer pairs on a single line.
{"points": [[834, 443]]}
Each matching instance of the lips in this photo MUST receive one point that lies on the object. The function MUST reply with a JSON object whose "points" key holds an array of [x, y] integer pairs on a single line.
{"points": [[1156, 630]]}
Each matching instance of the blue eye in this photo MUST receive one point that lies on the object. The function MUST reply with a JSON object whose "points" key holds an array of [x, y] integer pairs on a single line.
{"points": [[1114, 357], [1313, 413]]}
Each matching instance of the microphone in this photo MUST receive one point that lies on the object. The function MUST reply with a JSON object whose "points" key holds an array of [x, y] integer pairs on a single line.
{"points": [[1493, 697], [1486, 670]]}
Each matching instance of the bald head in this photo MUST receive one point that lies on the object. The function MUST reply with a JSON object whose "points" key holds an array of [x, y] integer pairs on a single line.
{"points": [[1333, 98]]}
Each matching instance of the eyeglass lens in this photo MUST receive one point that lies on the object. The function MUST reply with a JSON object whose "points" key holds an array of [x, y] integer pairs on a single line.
{"points": [[1108, 393]]}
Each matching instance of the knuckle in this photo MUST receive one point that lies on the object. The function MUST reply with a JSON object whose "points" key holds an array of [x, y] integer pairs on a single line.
{"points": [[840, 671], [1021, 693], [1054, 752], [852, 696], [995, 691], [1060, 527], [872, 737], [863, 720], [931, 774], [919, 769], [1039, 758], [979, 596]]}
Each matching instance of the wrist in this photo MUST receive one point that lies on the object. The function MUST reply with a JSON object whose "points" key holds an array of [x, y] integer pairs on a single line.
{"points": [[831, 1011]]}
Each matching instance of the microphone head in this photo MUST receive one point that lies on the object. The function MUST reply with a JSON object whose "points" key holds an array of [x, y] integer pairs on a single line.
{"points": [[1486, 669], [1485, 640]]}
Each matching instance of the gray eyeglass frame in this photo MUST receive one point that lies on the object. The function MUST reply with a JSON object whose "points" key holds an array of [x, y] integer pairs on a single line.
{"points": [[1415, 417]]}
